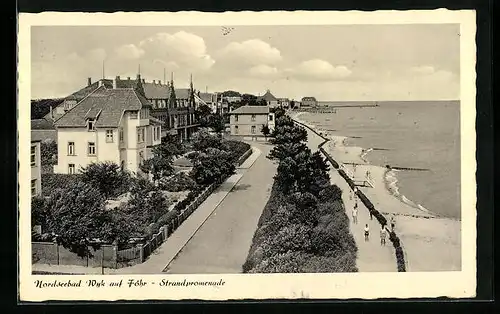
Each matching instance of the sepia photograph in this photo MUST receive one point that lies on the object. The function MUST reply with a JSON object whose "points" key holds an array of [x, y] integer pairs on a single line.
{"points": [[249, 150]]}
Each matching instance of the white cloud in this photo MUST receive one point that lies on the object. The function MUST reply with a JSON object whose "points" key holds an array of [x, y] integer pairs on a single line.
{"points": [[317, 69], [263, 70], [250, 52], [97, 54], [129, 52], [185, 49]]}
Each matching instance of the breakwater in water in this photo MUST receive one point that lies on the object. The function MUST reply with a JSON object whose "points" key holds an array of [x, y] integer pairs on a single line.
{"points": [[399, 253]]}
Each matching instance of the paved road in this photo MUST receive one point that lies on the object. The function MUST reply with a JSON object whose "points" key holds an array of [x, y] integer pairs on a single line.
{"points": [[221, 244]]}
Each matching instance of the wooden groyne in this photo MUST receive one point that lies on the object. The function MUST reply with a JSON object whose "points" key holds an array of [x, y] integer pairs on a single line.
{"points": [[407, 168]]}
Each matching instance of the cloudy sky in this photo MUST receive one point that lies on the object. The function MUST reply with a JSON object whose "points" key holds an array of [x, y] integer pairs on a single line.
{"points": [[331, 62]]}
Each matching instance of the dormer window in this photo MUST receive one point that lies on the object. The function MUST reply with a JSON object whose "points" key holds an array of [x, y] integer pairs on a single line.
{"points": [[91, 125]]}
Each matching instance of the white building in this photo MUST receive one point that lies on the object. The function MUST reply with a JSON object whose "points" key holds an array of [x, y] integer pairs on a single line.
{"points": [[110, 124], [36, 177], [247, 121]]}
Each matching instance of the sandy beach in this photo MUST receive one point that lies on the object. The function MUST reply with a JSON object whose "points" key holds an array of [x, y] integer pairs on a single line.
{"points": [[430, 243]]}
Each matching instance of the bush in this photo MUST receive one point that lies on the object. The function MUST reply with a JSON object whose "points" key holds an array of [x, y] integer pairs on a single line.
{"points": [[236, 148], [330, 193], [180, 182], [295, 234], [107, 177], [53, 181]]}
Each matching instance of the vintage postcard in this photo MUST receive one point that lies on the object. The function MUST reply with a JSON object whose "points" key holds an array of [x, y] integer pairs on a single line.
{"points": [[247, 155]]}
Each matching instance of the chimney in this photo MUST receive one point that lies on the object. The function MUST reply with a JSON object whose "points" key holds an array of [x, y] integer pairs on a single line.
{"points": [[115, 82], [101, 83], [89, 81], [143, 80], [154, 82], [159, 82], [128, 78]]}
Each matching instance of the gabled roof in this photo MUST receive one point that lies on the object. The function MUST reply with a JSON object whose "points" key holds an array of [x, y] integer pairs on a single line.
{"points": [[268, 96], [182, 93], [308, 98], [42, 124], [106, 105], [207, 97], [251, 110]]}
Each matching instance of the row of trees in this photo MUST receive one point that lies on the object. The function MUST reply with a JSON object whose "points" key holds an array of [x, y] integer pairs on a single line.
{"points": [[304, 227]]}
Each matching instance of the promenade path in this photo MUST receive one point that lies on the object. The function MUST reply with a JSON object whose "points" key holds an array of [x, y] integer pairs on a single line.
{"points": [[372, 257], [222, 243]]}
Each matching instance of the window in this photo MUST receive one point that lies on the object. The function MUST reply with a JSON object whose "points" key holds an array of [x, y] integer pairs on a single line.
{"points": [[253, 117], [71, 148], [236, 118], [121, 135], [134, 114], [71, 168], [236, 129], [270, 117], [91, 125], [154, 133], [253, 129], [91, 149], [140, 135], [33, 187], [33, 156], [109, 136]]}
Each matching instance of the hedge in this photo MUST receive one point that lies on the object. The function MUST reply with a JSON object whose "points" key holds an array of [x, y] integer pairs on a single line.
{"points": [[283, 244], [236, 148]]}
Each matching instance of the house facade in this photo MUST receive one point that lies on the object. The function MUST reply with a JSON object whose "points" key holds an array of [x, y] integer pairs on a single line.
{"points": [[175, 108], [36, 168], [110, 124], [247, 121], [309, 102]]}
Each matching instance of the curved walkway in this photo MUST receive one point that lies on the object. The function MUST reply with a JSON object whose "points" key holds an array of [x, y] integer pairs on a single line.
{"points": [[372, 257]]}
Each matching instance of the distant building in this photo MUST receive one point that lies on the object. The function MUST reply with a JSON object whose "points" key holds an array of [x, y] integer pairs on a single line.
{"points": [[110, 124], [284, 102], [247, 121], [309, 102], [36, 168], [232, 99], [271, 101]]}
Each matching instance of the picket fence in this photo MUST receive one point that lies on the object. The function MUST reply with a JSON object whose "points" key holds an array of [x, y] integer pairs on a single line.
{"points": [[141, 251]]}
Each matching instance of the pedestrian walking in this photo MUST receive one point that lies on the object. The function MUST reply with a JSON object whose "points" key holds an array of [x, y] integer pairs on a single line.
{"points": [[371, 215], [367, 233], [355, 213], [383, 234], [393, 223]]}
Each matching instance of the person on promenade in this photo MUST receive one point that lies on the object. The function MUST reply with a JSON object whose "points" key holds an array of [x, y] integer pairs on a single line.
{"points": [[383, 234], [355, 213], [393, 223], [367, 232], [371, 215]]}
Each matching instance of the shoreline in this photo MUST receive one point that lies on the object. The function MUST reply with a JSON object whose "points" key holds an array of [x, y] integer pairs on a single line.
{"points": [[390, 178], [415, 226]]}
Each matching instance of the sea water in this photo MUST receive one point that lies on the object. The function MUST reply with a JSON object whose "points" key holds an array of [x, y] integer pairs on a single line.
{"points": [[412, 134]]}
